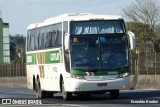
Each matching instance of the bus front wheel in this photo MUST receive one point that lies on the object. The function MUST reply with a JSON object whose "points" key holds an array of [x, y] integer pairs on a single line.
{"points": [[114, 94], [66, 95]]}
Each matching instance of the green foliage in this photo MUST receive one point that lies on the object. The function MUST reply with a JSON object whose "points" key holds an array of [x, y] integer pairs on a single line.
{"points": [[144, 16], [21, 59], [17, 45], [13, 54], [18, 39], [146, 38]]}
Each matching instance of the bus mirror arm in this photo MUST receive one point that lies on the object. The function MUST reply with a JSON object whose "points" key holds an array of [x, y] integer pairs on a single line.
{"points": [[67, 41], [132, 40]]}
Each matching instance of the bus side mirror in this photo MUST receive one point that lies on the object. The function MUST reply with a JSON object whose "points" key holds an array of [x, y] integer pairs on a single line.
{"points": [[132, 40], [67, 41]]}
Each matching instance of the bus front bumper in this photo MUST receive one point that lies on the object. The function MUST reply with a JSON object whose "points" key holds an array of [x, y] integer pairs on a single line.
{"points": [[79, 85]]}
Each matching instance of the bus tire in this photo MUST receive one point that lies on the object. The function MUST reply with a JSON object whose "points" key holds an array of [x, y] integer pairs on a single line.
{"points": [[84, 95], [66, 95], [39, 93], [114, 94], [49, 94]]}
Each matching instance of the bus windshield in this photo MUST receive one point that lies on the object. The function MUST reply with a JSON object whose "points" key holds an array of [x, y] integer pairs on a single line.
{"points": [[99, 53], [98, 45], [97, 27]]}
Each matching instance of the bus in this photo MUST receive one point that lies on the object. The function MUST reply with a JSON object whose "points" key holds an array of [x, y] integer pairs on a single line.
{"points": [[79, 53]]}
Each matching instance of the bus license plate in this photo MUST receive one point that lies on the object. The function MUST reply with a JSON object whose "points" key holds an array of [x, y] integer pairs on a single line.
{"points": [[101, 84]]}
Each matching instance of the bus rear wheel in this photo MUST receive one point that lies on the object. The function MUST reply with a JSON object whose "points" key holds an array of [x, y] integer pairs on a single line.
{"points": [[66, 95], [39, 93], [114, 94], [49, 94]]}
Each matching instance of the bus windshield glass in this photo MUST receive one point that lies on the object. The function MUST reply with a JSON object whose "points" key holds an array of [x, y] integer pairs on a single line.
{"points": [[99, 52], [97, 27]]}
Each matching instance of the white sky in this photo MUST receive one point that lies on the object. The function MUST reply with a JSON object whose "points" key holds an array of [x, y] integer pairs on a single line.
{"points": [[20, 13]]}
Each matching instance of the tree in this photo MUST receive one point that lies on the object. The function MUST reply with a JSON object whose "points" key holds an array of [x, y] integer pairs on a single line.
{"points": [[13, 54], [144, 15], [144, 11], [17, 46], [143, 35]]}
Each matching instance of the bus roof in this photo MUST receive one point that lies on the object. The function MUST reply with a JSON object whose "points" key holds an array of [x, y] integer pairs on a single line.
{"points": [[73, 17]]}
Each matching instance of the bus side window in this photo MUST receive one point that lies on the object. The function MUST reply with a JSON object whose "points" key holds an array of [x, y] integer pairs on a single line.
{"points": [[53, 38], [32, 40], [28, 41], [36, 39], [48, 43]]}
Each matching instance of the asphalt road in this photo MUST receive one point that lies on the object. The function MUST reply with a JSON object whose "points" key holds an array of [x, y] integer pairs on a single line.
{"points": [[126, 97]]}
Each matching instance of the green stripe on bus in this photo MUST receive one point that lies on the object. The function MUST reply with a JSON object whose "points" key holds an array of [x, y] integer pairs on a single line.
{"points": [[101, 72], [40, 57], [52, 57], [31, 59], [43, 72], [78, 72]]}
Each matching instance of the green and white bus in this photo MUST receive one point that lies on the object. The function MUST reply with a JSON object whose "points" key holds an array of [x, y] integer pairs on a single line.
{"points": [[78, 53]]}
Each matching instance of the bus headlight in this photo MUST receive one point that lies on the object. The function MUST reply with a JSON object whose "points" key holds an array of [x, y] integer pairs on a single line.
{"points": [[77, 76], [126, 74]]}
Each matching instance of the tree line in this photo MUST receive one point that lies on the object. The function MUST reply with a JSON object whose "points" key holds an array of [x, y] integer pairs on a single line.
{"points": [[143, 19]]}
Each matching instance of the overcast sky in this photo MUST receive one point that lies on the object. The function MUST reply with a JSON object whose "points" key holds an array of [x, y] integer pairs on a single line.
{"points": [[20, 13]]}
